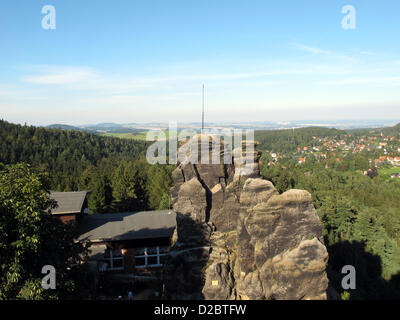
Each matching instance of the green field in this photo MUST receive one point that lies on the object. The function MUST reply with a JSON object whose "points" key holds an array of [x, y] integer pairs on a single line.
{"points": [[386, 172], [140, 135]]}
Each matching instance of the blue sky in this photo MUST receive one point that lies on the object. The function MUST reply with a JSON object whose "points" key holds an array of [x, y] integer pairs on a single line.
{"points": [[141, 61]]}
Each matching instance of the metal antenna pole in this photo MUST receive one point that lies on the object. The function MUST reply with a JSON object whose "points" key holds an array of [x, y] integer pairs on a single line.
{"points": [[202, 114]]}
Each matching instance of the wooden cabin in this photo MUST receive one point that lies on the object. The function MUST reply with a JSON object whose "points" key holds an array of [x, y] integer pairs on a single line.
{"points": [[130, 243], [71, 206]]}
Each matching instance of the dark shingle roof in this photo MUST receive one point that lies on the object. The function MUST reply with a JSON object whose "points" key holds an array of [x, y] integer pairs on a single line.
{"points": [[128, 226], [68, 202]]}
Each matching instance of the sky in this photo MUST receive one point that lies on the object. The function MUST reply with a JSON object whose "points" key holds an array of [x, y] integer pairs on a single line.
{"points": [[146, 61]]}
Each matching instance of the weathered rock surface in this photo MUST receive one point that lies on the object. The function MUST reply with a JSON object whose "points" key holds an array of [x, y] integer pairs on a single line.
{"points": [[238, 238]]}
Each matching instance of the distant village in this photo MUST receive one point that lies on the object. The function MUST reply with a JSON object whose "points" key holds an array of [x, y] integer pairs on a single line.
{"points": [[381, 151]]}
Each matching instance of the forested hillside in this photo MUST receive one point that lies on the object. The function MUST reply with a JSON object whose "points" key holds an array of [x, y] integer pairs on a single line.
{"points": [[361, 218], [111, 168], [289, 139], [394, 130], [360, 208], [360, 213]]}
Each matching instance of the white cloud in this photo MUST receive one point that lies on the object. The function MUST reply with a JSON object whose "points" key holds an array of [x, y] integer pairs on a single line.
{"points": [[78, 79], [378, 81], [313, 50], [55, 75], [323, 52], [290, 85]]}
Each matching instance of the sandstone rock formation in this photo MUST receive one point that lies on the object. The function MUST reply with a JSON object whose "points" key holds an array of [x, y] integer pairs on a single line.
{"points": [[237, 237]]}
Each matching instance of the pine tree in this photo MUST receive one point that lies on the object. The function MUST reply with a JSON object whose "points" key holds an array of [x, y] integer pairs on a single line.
{"points": [[100, 196]]}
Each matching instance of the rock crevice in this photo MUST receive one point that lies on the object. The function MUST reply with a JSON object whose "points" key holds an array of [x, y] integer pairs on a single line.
{"points": [[238, 238]]}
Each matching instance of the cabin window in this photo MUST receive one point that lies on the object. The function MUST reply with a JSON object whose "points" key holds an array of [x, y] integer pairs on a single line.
{"points": [[114, 259], [150, 257]]}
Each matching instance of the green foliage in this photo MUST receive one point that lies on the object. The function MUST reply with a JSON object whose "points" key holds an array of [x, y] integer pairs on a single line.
{"points": [[128, 185], [345, 295], [113, 169], [361, 216], [101, 195], [63, 154], [361, 219], [165, 202], [283, 181], [159, 183], [289, 139], [31, 238]]}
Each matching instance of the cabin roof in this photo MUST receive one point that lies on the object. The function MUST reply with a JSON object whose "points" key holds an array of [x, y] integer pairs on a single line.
{"points": [[68, 202], [128, 226]]}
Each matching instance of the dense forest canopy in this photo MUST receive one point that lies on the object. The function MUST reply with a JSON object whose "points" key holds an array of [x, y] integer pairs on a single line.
{"points": [[394, 130], [354, 209], [112, 169], [360, 212], [289, 139]]}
